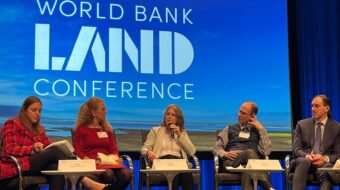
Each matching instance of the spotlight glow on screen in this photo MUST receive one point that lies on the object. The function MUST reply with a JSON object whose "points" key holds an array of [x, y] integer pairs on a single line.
{"points": [[140, 56]]}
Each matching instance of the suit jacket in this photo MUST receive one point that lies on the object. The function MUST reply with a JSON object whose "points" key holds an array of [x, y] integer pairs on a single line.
{"points": [[304, 137]]}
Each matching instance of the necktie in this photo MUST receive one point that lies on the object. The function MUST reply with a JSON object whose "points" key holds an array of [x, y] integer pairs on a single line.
{"points": [[317, 142]]}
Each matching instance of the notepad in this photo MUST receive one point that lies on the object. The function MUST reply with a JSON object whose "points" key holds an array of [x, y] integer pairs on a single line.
{"points": [[64, 146], [108, 159]]}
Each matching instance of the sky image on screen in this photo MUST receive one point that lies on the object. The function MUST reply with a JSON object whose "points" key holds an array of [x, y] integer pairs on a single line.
{"points": [[140, 56]]}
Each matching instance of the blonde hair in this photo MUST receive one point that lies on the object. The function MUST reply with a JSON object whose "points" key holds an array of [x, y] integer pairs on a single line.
{"points": [[179, 115], [85, 116], [35, 128]]}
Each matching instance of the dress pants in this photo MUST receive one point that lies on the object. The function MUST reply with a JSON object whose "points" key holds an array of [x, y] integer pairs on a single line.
{"points": [[48, 160], [242, 158], [303, 167]]}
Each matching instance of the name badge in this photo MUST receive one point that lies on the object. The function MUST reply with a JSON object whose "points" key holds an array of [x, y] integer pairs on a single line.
{"points": [[244, 134], [102, 134]]}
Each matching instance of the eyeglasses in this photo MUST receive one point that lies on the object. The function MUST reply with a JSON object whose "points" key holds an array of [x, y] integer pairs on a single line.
{"points": [[244, 113]]}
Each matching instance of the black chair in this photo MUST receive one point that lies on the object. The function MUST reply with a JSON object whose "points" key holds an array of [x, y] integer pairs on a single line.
{"points": [[20, 182], [158, 179], [311, 180], [123, 157], [225, 179]]}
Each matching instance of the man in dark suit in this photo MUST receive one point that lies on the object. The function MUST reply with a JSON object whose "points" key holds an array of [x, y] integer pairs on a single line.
{"points": [[316, 144]]}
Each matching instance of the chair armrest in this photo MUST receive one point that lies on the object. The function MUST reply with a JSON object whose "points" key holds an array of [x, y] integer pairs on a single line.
{"points": [[195, 161], [129, 160], [144, 161], [18, 166], [287, 163], [16, 162], [216, 164]]}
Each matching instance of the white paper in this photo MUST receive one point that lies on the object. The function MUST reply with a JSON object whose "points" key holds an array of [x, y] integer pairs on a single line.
{"points": [[77, 165], [64, 146], [170, 164], [263, 164], [337, 164]]}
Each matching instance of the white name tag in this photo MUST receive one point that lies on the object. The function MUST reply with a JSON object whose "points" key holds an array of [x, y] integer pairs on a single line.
{"points": [[102, 134], [264, 164], [77, 165], [244, 134], [170, 164]]}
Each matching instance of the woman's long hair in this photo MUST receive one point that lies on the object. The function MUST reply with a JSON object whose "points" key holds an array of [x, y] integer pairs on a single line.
{"points": [[35, 128], [179, 114], [85, 116]]}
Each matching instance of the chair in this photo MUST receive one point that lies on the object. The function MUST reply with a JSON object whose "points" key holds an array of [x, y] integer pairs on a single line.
{"points": [[311, 180], [157, 179], [123, 157], [226, 179], [20, 182]]}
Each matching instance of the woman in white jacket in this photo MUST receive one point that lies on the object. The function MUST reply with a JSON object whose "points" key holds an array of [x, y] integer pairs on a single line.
{"points": [[171, 141]]}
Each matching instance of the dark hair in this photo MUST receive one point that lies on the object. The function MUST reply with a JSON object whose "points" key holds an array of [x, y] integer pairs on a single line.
{"points": [[179, 115], [326, 102], [36, 128]]}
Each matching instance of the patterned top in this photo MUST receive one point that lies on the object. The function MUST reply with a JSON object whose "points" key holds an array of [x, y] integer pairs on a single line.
{"points": [[17, 142]]}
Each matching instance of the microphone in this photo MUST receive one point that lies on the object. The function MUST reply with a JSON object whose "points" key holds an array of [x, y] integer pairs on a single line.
{"points": [[172, 134]]}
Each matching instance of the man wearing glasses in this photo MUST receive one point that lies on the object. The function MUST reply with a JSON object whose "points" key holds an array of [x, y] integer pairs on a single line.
{"points": [[247, 139]]}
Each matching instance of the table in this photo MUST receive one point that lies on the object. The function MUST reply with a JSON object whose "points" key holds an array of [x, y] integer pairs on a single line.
{"points": [[169, 174], [72, 175], [329, 169], [254, 173]]}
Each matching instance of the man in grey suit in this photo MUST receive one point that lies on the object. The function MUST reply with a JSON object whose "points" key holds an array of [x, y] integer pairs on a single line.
{"points": [[316, 144]]}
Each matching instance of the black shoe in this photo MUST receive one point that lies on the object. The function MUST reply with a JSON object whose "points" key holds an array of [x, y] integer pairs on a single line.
{"points": [[108, 187], [240, 159], [266, 185]]}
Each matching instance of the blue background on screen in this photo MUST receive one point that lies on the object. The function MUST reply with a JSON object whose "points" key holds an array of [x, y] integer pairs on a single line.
{"points": [[240, 51]]}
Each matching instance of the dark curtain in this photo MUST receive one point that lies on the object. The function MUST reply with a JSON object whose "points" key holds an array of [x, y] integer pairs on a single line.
{"points": [[314, 54]]}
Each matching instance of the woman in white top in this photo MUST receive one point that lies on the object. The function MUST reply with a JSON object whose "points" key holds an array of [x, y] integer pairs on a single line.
{"points": [[170, 141]]}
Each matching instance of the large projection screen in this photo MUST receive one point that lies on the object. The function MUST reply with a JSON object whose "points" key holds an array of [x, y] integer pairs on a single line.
{"points": [[140, 56]]}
